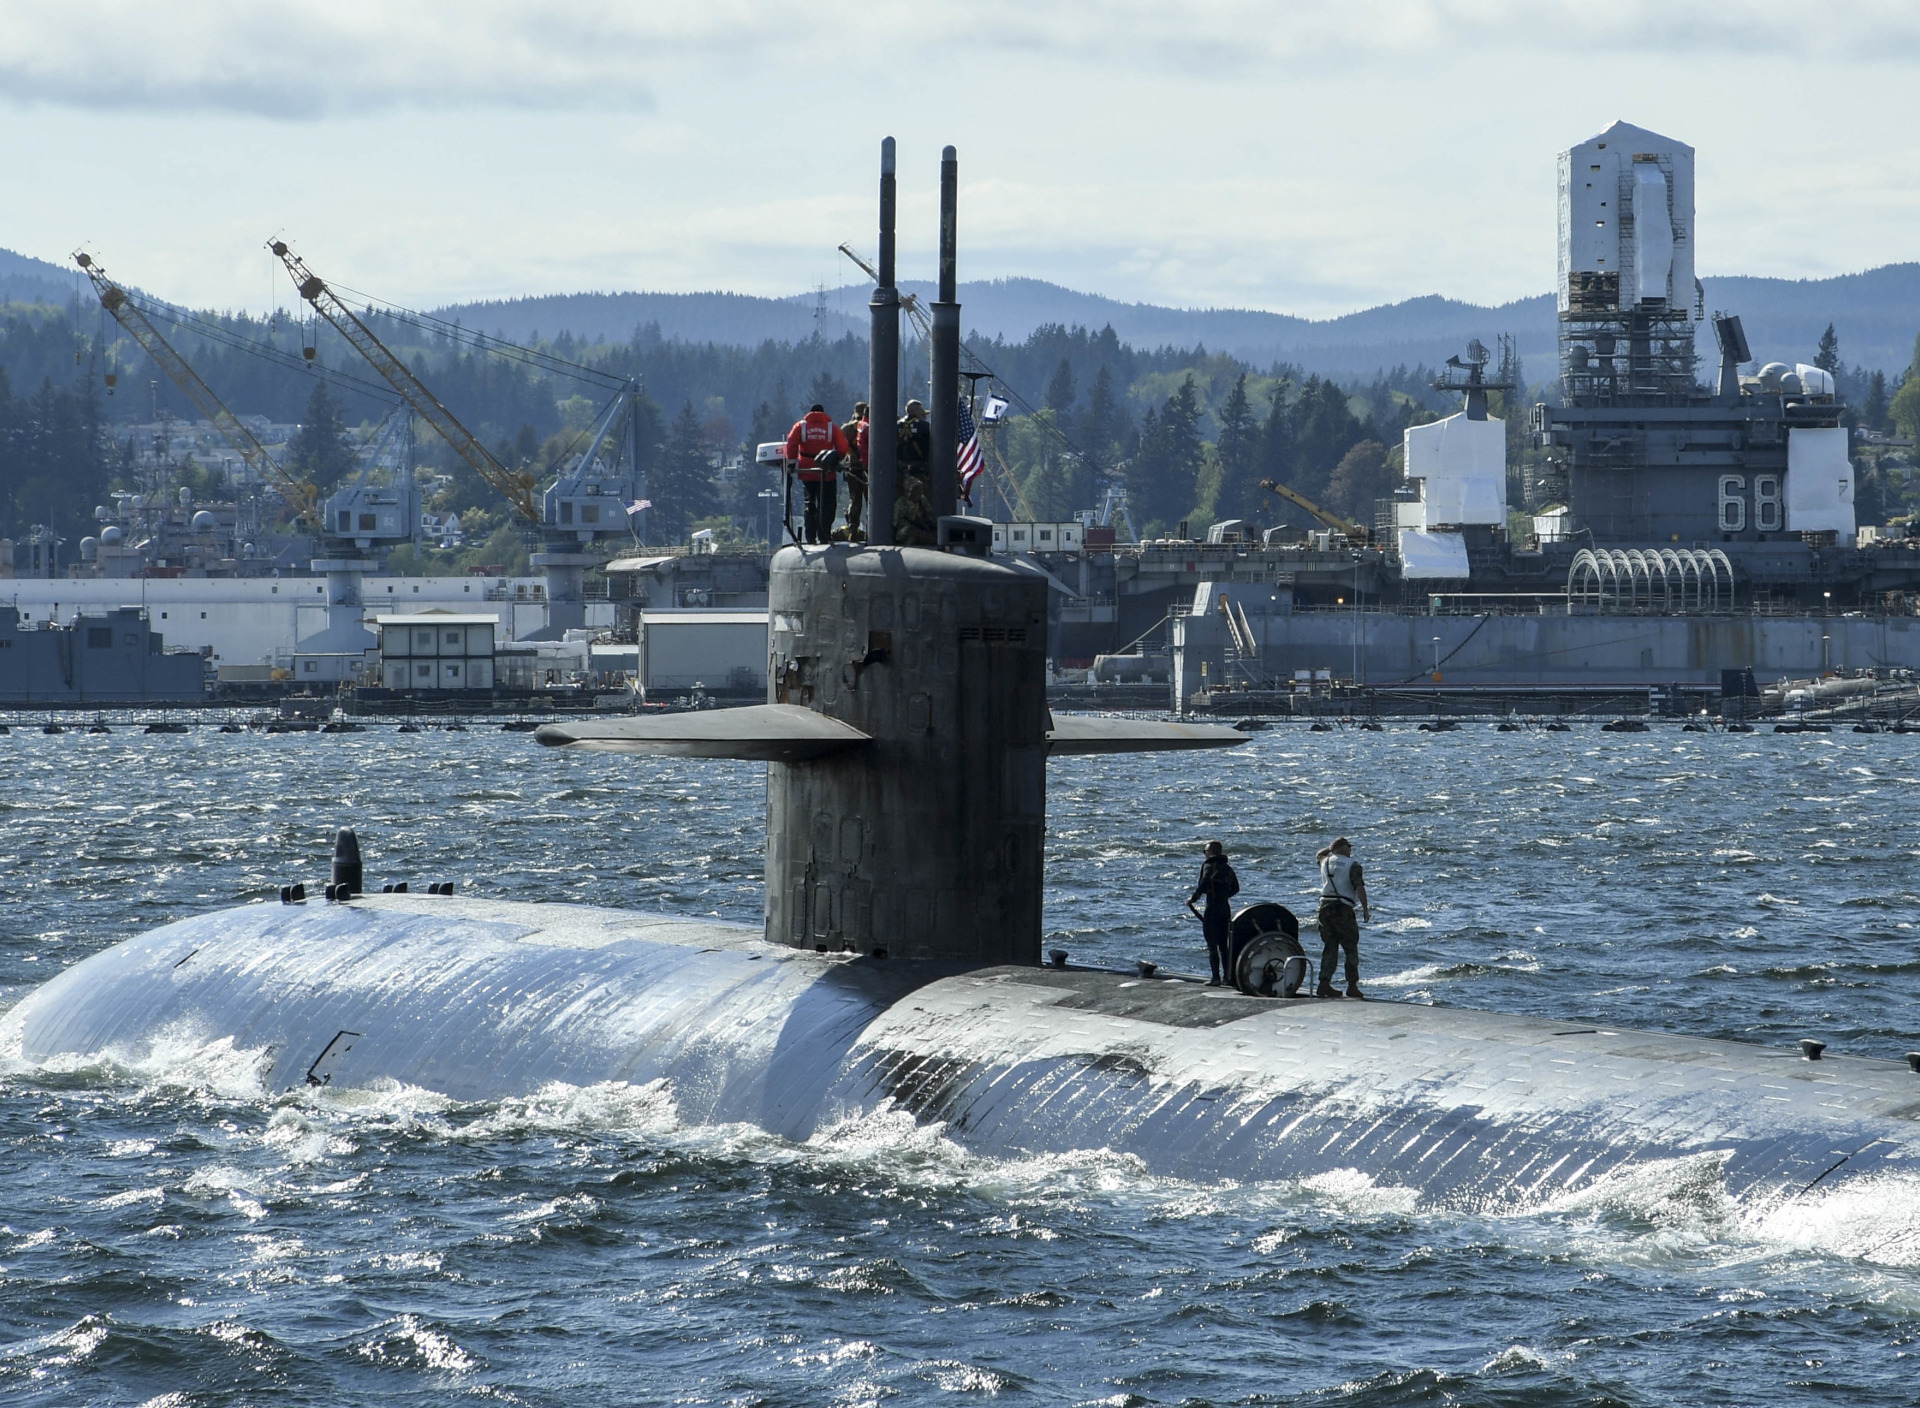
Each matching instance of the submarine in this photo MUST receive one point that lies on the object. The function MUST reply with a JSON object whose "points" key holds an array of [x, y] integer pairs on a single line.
{"points": [[900, 967]]}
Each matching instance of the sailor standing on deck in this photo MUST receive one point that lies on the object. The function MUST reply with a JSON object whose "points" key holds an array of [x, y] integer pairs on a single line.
{"points": [[856, 470], [1342, 890], [817, 446], [1218, 885]]}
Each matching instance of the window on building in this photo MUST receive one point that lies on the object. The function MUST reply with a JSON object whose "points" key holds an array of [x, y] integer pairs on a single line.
{"points": [[424, 672], [99, 637]]}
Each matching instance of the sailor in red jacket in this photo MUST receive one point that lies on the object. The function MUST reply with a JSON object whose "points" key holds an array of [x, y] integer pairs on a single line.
{"points": [[818, 446]]}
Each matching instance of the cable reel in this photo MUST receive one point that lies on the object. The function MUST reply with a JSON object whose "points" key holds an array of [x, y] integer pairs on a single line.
{"points": [[1264, 954]]}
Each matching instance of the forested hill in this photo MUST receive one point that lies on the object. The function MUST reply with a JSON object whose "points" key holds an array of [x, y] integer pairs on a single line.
{"points": [[1876, 314], [27, 280], [730, 319]]}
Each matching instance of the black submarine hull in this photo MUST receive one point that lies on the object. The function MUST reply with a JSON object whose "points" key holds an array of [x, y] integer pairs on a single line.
{"points": [[485, 1000]]}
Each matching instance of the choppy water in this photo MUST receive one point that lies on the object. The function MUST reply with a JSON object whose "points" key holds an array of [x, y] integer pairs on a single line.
{"points": [[170, 1237]]}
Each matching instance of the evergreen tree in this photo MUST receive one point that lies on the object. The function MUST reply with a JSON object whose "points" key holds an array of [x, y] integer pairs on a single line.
{"points": [[1102, 425], [1062, 392], [1145, 462], [1873, 412], [682, 484], [1828, 357], [319, 451], [53, 463], [1045, 468], [833, 393], [767, 425], [1324, 429], [1273, 459], [1163, 482], [1238, 447]]}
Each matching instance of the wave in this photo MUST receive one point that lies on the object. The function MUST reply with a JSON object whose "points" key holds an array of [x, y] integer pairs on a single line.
{"points": [[1655, 1210]]}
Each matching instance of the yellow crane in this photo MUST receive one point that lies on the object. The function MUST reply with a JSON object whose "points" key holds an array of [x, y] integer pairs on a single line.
{"points": [[1355, 533], [299, 494], [514, 485]]}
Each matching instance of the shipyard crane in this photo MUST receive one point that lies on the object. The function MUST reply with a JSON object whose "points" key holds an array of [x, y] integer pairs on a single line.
{"points": [[910, 303], [590, 501], [1355, 533], [300, 495], [514, 485]]}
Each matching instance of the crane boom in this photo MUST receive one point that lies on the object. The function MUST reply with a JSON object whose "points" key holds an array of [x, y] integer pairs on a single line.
{"points": [[909, 302], [299, 494], [515, 486], [1355, 533]]}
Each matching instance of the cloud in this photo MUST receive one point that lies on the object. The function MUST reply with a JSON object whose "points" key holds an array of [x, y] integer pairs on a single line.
{"points": [[302, 63], [348, 57]]}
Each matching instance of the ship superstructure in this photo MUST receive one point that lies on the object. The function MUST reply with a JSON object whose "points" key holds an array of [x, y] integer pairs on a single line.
{"points": [[1641, 455]]}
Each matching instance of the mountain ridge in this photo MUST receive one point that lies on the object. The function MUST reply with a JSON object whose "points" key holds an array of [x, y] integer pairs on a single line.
{"points": [[1876, 313]]}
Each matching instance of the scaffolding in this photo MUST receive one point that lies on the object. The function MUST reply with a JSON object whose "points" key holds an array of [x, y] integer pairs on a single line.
{"points": [[1624, 357]]}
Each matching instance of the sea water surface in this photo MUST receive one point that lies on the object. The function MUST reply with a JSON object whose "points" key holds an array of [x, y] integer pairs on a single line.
{"points": [[170, 1236]]}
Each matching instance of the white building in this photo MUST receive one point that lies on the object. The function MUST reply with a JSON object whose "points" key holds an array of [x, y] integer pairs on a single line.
{"points": [[247, 620], [432, 650], [722, 651]]}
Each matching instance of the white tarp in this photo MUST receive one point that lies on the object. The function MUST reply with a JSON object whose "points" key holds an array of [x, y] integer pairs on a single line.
{"points": [[1462, 468], [1819, 482], [1652, 231], [1427, 555]]}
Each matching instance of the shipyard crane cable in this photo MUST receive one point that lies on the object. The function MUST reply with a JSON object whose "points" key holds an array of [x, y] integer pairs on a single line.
{"points": [[480, 342], [556, 460], [910, 305], [206, 328]]}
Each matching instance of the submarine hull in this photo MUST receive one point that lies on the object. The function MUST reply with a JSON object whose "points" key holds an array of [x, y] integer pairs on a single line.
{"points": [[487, 1000]]}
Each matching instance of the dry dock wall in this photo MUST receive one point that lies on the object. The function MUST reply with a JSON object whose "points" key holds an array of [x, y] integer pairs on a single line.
{"points": [[1551, 651]]}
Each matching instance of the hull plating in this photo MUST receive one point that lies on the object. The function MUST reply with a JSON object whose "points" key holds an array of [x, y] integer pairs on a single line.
{"points": [[482, 1000]]}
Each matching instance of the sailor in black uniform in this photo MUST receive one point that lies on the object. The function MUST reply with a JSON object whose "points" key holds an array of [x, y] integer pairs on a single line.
{"points": [[1218, 885]]}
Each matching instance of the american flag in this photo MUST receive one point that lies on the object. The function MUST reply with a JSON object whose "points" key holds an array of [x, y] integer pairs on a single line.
{"points": [[968, 459]]}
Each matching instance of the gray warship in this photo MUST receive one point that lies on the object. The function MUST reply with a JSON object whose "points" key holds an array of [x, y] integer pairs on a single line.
{"points": [[900, 966]]}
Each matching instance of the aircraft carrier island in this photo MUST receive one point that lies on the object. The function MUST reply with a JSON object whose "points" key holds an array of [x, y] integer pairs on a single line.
{"points": [[1672, 516], [900, 965]]}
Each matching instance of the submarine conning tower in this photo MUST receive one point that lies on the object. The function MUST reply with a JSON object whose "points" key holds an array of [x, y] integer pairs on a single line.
{"points": [[926, 843], [906, 726]]}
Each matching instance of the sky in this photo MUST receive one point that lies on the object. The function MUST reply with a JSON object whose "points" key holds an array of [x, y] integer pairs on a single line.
{"points": [[1305, 158]]}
